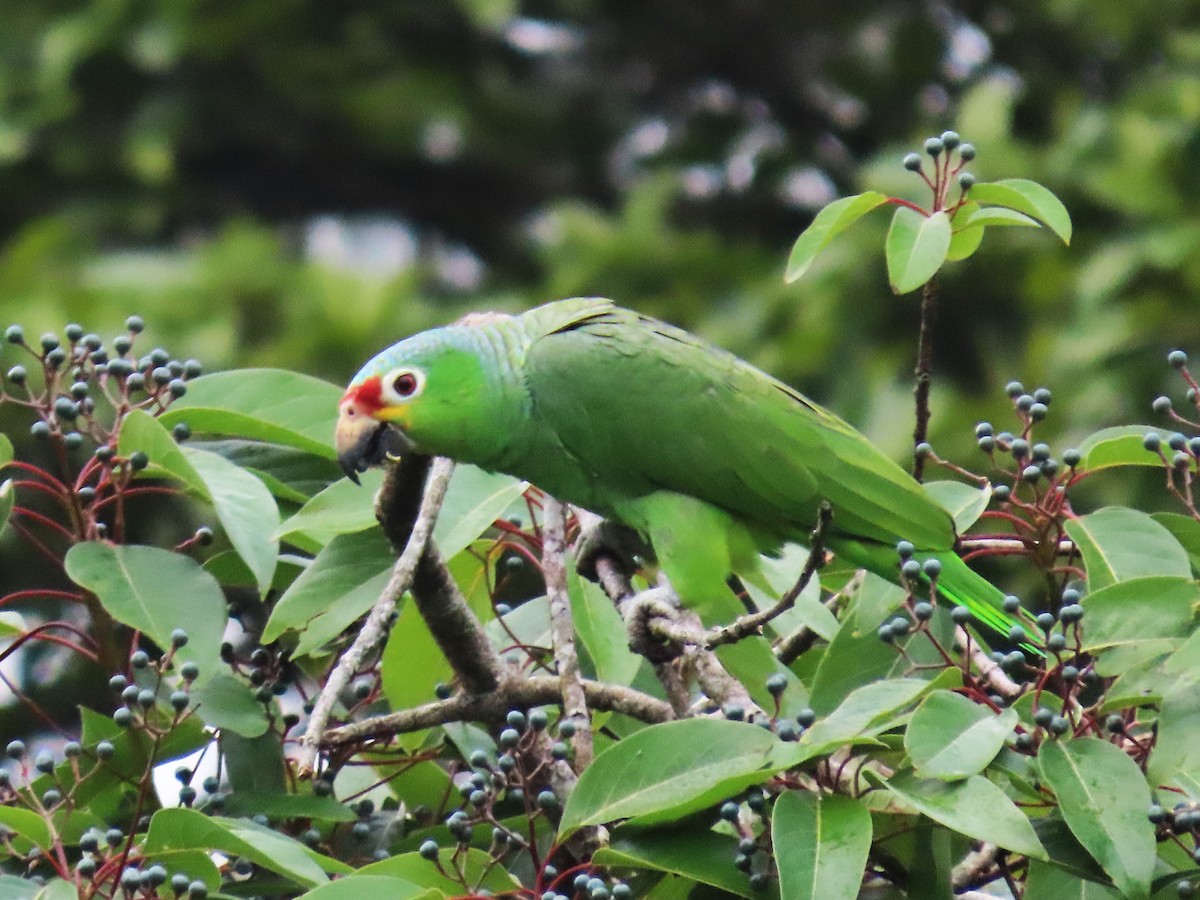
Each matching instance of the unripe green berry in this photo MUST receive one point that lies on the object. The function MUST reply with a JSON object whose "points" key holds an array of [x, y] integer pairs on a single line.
{"points": [[1060, 725], [105, 750], [72, 749], [1046, 621], [18, 375], [732, 711], [1181, 462], [1001, 492], [932, 568], [14, 334], [509, 737], [1072, 457], [1014, 389], [966, 181], [922, 450], [1152, 441], [1161, 405], [777, 684], [123, 717], [139, 659], [960, 615], [179, 638], [912, 162], [1056, 643], [515, 719], [1177, 441], [1177, 358], [923, 611], [39, 430], [934, 146], [1016, 634], [1031, 474], [1156, 814], [1043, 715], [729, 811], [179, 700], [885, 633], [177, 387], [905, 549], [547, 800], [987, 444], [1019, 448]]}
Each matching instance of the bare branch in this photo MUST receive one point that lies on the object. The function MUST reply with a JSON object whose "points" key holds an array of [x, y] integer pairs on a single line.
{"points": [[789, 649], [453, 624], [986, 666], [537, 690], [375, 629], [562, 629]]}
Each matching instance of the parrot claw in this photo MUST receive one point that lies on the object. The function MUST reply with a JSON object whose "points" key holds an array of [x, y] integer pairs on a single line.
{"points": [[599, 536]]}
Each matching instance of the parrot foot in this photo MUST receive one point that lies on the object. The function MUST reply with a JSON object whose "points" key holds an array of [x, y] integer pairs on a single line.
{"points": [[652, 623], [599, 536]]}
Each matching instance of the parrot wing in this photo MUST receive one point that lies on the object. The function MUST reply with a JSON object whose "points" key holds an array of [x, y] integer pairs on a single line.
{"points": [[645, 407]]}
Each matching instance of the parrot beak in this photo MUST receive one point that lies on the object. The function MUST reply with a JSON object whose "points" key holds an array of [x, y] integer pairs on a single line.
{"points": [[363, 441]]}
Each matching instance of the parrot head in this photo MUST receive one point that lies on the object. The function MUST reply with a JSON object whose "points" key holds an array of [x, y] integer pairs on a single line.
{"points": [[449, 392]]}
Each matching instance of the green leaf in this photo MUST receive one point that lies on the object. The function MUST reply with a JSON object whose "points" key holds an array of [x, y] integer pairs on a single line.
{"points": [[186, 829], [155, 591], [602, 631], [357, 886], [6, 450], [477, 866], [915, 248], [244, 506], [951, 737], [999, 215], [1177, 748], [12, 624], [271, 405], [15, 888], [1139, 610], [474, 500], [667, 771], [821, 843], [1117, 446], [341, 508], [688, 851], [287, 806], [58, 889], [964, 240], [867, 711], [1049, 882], [828, 224], [290, 474], [1027, 197], [1184, 529], [226, 702], [343, 581], [974, 807], [28, 825], [1103, 797], [964, 502], [254, 764], [1118, 544]]}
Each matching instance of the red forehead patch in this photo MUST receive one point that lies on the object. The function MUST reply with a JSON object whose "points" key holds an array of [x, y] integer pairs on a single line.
{"points": [[368, 395]]}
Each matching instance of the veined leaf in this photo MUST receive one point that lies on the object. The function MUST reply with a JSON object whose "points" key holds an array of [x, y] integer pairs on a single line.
{"points": [[957, 805], [155, 591], [271, 405], [1027, 197], [821, 843], [964, 502], [244, 506], [1103, 797], [915, 248], [667, 771], [999, 215], [1139, 610], [951, 737], [828, 224], [689, 851], [964, 239], [1118, 446], [1118, 544]]}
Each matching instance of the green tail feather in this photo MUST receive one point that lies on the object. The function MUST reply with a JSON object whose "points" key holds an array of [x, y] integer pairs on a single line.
{"points": [[958, 585]]}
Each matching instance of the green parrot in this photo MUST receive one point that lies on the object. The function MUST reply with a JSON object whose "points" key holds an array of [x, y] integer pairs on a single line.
{"points": [[711, 460]]}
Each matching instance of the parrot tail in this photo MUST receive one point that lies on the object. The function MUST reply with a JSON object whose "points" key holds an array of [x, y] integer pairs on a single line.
{"points": [[961, 585], [957, 585]]}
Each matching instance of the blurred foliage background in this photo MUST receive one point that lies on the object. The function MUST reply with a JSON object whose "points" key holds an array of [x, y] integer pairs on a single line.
{"points": [[298, 184]]}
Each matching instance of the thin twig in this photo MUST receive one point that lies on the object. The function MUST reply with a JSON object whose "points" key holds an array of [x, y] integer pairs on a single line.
{"points": [[537, 690], [744, 626], [924, 371], [375, 629], [562, 629], [790, 648], [975, 866]]}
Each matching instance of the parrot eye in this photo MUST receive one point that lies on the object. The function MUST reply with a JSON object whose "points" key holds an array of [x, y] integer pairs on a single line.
{"points": [[406, 383]]}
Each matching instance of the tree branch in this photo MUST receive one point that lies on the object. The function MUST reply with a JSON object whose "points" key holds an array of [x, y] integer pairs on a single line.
{"points": [[536, 690], [562, 629], [924, 371], [375, 629], [453, 624]]}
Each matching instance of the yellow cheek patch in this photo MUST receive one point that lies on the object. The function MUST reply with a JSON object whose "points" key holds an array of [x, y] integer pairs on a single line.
{"points": [[398, 415]]}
